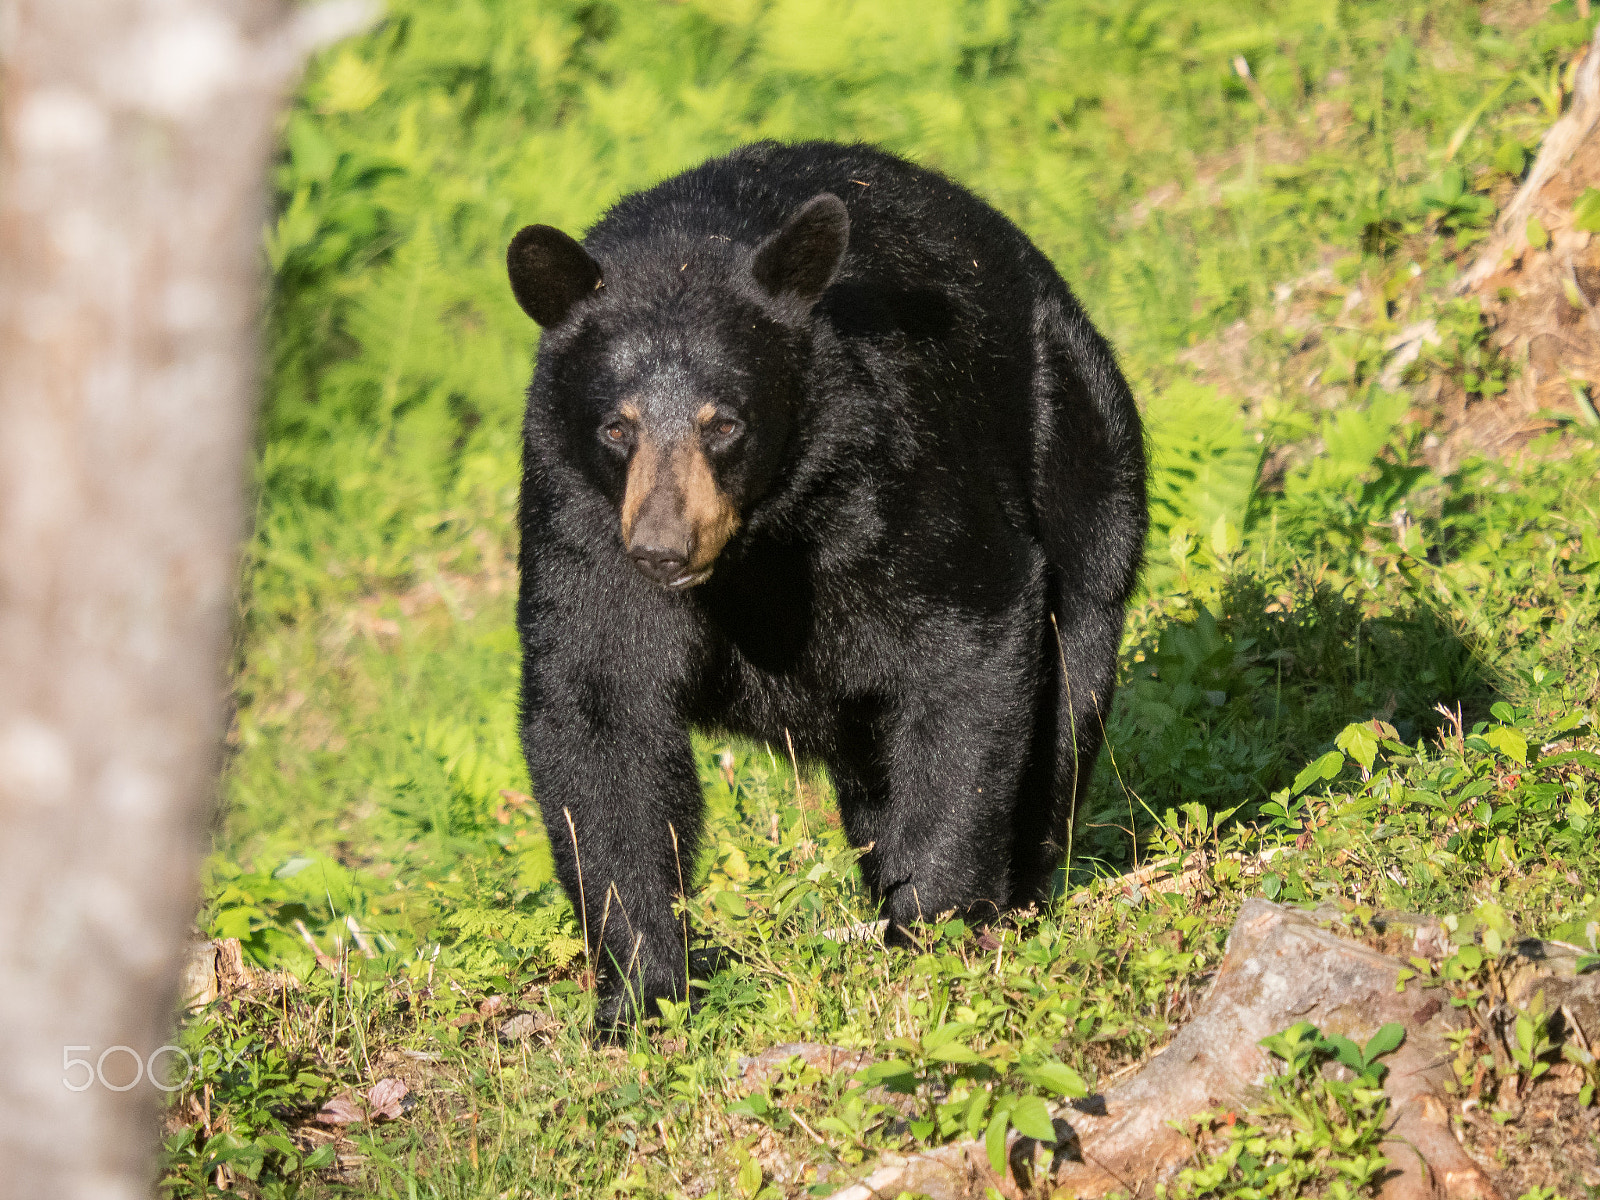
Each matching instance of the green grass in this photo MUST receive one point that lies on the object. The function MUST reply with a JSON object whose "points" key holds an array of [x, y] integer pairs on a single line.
{"points": [[1285, 667]]}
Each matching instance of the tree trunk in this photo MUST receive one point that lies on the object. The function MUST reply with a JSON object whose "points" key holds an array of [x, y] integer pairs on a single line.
{"points": [[133, 139]]}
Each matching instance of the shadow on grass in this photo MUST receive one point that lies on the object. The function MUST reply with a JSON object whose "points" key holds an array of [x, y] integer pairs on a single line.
{"points": [[1223, 708]]}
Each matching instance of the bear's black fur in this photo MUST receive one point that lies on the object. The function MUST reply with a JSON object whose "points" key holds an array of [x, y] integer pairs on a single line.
{"points": [[817, 445]]}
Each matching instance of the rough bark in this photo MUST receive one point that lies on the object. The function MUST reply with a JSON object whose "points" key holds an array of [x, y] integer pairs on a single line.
{"points": [[1281, 967], [133, 140]]}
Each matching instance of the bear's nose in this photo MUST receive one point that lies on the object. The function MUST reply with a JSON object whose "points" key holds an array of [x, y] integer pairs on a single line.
{"points": [[659, 564]]}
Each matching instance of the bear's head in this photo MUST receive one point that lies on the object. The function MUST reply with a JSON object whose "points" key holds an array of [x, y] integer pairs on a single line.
{"points": [[675, 371]]}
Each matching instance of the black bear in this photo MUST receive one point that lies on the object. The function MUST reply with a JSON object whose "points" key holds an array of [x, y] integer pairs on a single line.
{"points": [[818, 445]]}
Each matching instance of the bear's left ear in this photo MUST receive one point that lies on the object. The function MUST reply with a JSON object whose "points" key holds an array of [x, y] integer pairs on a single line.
{"points": [[795, 265], [549, 272]]}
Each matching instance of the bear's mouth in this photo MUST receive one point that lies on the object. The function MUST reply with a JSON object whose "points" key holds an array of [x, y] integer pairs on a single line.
{"points": [[687, 580]]}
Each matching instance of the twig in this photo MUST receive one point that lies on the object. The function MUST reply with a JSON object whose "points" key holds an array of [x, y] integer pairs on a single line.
{"points": [[1571, 1018], [799, 798], [360, 940], [1577, 288], [1241, 68], [677, 858], [810, 1132], [861, 931], [1072, 717], [1455, 719], [583, 904], [323, 961]]}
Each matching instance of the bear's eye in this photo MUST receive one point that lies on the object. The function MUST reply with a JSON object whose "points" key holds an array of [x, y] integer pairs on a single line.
{"points": [[725, 427], [615, 433]]}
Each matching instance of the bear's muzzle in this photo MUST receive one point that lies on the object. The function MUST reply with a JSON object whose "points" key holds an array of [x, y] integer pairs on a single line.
{"points": [[675, 518]]}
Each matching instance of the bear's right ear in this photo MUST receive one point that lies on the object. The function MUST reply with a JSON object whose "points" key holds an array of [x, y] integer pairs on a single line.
{"points": [[550, 273], [795, 265]]}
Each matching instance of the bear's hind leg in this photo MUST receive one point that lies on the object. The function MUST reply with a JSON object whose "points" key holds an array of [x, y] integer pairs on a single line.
{"points": [[1091, 511], [1080, 661]]}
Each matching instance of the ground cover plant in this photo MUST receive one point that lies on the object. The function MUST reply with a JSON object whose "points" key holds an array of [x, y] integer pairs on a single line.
{"points": [[1362, 670]]}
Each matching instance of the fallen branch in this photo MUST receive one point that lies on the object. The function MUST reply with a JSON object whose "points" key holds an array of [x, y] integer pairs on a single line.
{"points": [[1281, 967]]}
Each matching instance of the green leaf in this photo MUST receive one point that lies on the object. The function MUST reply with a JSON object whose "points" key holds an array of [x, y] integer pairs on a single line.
{"points": [[1584, 758], [235, 922], [1326, 767], [948, 1032], [756, 1106], [1538, 236], [749, 1178], [281, 1144], [1205, 460], [224, 1147], [1510, 158], [894, 1074], [1346, 1051], [320, 1157], [954, 1052], [292, 868], [1031, 1118], [1057, 1078], [1492, 916], [1586, 211], [994, 1139], [350, 85], [1225, 539], [977, 1107], [732, 904], [1386, 1041], [1509, 742], [1289, 1044], [1360, 743]]}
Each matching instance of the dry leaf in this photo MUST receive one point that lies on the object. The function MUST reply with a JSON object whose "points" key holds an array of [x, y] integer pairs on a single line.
{"points": [[524, 1026], [384, 1100], [341, 1110]]}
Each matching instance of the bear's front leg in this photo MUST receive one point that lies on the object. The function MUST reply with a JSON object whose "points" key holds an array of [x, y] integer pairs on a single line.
{"points": [[935, 803], [622, 806]]}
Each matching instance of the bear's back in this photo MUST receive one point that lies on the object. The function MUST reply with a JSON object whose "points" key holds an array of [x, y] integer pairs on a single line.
{"points": [[911, 229]]}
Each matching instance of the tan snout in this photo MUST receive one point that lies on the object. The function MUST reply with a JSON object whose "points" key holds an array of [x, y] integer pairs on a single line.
{"points": [[675, 519]]}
